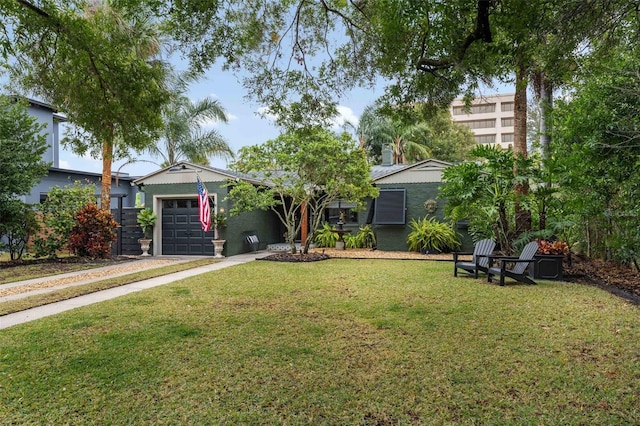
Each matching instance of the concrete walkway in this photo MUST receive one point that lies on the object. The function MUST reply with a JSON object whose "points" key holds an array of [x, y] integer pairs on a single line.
{"points": [[89, 299]]}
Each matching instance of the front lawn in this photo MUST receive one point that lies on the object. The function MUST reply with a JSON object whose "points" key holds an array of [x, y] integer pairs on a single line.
{"points": [[335, 342]]}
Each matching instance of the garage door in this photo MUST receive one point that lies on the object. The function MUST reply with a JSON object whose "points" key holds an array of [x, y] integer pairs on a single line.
{"points": [[181, 230]]}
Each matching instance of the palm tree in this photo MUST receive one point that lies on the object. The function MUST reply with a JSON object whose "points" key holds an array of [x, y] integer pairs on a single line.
{"points": [[408, 141], [184, 137]]}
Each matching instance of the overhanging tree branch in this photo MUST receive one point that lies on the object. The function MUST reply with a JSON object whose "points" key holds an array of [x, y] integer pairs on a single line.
{"points": [[482, 31]]}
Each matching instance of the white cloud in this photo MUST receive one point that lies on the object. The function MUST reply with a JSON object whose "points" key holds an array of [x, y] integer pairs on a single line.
{"points": [[264, 112], [345, 114]]}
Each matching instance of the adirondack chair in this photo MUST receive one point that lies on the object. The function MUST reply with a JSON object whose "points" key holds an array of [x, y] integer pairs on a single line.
{"points": [[479, 261], [519, 270]]}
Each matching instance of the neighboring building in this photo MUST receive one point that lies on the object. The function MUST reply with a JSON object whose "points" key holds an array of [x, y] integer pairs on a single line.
{"points": [[407, 191], [123, 194], [490, 118]]}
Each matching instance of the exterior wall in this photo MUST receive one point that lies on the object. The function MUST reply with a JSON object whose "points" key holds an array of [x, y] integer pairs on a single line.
{"points": [[45, 115], [263, 224], [123, 191], [496, 125], [61, 178], [394, 237]]}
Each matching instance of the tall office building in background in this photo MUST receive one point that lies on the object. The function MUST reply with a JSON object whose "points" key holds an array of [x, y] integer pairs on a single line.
{"points": [[490, 118]]}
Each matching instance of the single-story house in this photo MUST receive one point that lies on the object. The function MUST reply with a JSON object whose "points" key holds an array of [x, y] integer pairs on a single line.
{"points": [[407, 191]]}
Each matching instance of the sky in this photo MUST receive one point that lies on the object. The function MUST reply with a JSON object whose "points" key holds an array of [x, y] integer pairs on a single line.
{"points": [[245, 126]]}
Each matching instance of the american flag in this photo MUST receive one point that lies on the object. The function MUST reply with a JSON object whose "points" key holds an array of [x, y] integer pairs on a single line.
{"points": [[204, 211]]}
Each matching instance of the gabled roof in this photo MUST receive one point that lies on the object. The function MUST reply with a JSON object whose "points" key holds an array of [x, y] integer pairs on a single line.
{"points": [[424, 171], [179, 171], [182, 172]]}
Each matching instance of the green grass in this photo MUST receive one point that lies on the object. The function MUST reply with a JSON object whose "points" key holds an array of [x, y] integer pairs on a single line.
{"points": [[34, 301], [28, 271], [333, 342]]}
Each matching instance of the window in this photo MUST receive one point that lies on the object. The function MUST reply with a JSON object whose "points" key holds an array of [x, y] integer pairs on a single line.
{"points": [[506, 106], [507, 137], [333, 210], [485, 138], [475, 109], [390, 207], [480, 124], [507, 122]]}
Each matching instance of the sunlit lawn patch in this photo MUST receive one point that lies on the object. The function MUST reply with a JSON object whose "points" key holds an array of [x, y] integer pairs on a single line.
{"points": [[333, 342]]}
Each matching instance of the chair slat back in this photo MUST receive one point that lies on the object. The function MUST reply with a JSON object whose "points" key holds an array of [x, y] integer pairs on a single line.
{"points": [[483, 247], [527, 253]]}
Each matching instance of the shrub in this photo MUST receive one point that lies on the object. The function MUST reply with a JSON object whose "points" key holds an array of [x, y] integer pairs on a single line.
{"points": [[366, 238], [93, 233], [555, 247], [17, 223], [351, 240], [58, 216], [325, 237], [430, 235]]}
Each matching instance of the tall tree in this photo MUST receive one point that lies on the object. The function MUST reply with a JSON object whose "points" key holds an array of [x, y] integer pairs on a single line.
{"points": [[414, 135], [98, 64], [595, 153], [183, 135], [21, 149]]}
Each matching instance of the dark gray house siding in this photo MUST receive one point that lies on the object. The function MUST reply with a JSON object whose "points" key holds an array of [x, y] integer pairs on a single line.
{"points": [[393, 237]]}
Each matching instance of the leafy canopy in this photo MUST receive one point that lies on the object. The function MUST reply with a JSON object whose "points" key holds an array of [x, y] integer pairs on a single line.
{"points": [[21, 149], [95, 62]]}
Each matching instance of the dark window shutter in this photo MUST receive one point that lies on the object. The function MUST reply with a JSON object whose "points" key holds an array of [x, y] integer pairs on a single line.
{"points": [[390, 207]]}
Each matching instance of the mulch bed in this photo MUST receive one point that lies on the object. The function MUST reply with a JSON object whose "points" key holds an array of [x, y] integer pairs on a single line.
{"points": [[288, 257], [618, 279]]}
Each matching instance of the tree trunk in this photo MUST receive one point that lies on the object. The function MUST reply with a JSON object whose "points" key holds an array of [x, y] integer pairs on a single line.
{"points": [[107, 158], [543, 89], [522, 216], [545, 104]]}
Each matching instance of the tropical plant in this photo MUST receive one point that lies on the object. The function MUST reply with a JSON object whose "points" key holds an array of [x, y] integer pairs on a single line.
{"points": [[552, 247], [365, 237], [184, 136], [428, 234], [426, 133], [325, 237], [147, 219], [93, 233], [58, 214]]}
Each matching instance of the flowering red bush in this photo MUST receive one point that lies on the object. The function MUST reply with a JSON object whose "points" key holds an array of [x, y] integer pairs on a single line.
{"points": [[555, 247], [93, 233]]}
